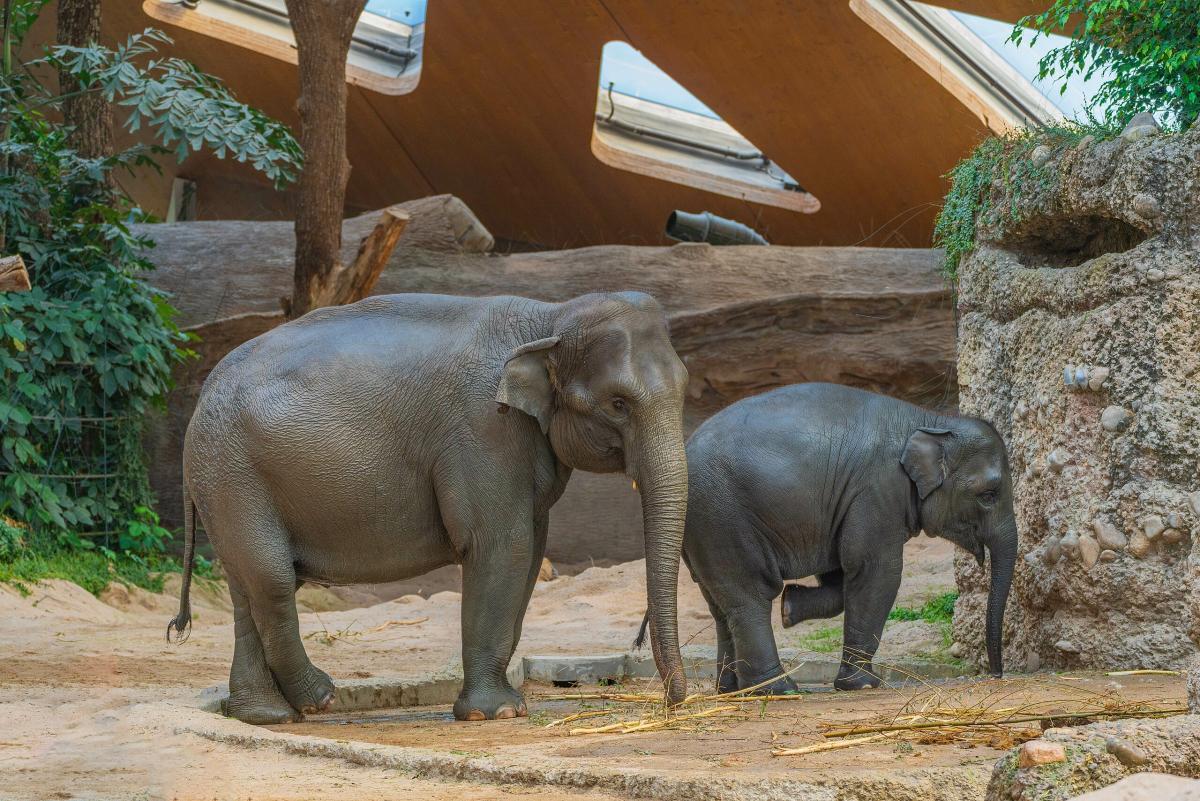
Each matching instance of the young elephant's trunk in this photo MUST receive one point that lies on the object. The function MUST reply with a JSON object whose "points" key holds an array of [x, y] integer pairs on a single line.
{"points": [[660, 470], [1003, 550]]}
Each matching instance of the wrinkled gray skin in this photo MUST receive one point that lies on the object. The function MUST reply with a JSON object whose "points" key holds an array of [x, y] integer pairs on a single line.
{"points": [[828, 481], [375, 442]]}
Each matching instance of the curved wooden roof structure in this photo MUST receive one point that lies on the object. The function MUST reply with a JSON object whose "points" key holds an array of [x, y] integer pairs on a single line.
{"points": [[503, 117]]}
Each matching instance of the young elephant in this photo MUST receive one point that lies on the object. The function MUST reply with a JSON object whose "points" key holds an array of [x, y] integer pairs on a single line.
{"points": [[825, 480], [363, 444]]}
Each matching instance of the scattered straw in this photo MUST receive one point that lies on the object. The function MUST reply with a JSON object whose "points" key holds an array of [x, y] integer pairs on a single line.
{"points": [[994, 713], [830, 746]]}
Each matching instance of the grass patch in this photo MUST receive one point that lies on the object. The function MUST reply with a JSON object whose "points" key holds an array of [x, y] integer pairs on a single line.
{"points": [[822, 641], [935, 610], [27, 557]]}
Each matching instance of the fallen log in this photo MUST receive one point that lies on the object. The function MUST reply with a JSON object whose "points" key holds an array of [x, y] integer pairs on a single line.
{"points": [[13, 276], [744, 319]]}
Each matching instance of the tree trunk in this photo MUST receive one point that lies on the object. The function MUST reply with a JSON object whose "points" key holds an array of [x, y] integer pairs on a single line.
{"points": [[88, 114], [13, 277], [323, 30]]}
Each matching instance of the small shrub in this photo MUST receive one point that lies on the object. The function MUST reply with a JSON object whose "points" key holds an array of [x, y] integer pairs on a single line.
{"points": [[1000, 167], [88, 353], [1151, 49]]}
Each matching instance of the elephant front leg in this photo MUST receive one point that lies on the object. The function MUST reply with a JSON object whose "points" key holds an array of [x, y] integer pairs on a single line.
{"points": [[870, 590], [496, 589]]}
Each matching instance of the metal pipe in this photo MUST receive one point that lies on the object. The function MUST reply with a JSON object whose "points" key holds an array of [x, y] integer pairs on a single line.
{"points": [[708, 227]]}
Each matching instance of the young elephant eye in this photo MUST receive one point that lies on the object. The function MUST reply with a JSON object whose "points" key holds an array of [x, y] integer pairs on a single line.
{"points": [[618, 405], [988, 498]]}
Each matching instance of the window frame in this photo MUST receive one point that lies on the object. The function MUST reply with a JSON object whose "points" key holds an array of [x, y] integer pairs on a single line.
{"points": [[197, 21], [965, 65], [653, 156]]}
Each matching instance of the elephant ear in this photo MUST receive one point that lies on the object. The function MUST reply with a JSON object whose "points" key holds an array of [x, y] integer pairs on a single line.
{"points": [[924, 459], [525, 381]]}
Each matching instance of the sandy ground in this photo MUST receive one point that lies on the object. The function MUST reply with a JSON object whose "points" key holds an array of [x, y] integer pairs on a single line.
{"points": [[81, 676]]}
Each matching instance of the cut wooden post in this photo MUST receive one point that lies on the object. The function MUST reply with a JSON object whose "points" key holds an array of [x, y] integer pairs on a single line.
{"points": [[373, 254], [13, 277]]}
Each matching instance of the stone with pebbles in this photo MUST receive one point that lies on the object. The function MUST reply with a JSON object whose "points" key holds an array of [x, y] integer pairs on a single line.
{"points": [[1040, 752], [1108, 535], [1089, 551], [1152, 526], [1115, 418], [1057, 460], [1126, 752], [1139, 545], [1146, 206]]}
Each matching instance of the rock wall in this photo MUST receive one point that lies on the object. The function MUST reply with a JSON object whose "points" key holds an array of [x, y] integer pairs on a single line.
{"points": [[1079, 337], [744, 320]]}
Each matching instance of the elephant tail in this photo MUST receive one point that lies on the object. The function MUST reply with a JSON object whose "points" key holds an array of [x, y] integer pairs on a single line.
{"points": [[181, 624], [641, 635]]}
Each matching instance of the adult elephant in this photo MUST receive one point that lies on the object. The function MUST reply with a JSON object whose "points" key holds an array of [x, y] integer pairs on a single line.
{"points": [[364, 443], [828, 481]]}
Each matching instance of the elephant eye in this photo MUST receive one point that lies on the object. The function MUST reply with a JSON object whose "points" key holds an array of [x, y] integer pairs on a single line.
{"points": [[988, 498], [619, 405]]}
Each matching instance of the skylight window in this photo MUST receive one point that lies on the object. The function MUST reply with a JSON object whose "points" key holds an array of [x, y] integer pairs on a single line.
{"points": [[385, 54], [1024, 59], [972, 57], [648, 124]]}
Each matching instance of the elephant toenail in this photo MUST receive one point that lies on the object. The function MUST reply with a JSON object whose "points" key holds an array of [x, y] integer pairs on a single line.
{"points": [[328, 703], [505, 713], [475, 714], [522, 711]]}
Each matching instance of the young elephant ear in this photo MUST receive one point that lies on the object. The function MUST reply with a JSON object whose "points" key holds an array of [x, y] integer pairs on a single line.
{"points": [[924, 459], [525, 381]]}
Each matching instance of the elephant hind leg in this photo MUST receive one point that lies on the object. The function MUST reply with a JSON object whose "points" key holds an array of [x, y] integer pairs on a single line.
{"points": [[254, 697], [273, 606], [801, 603], [256, 546]]}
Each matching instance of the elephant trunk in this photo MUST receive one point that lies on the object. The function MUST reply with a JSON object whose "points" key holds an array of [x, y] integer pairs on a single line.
{"points": [[660, 469], [1003, 550]]}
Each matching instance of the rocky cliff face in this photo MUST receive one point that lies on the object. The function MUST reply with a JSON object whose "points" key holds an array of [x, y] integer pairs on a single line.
{"points": [[1079, 338]]}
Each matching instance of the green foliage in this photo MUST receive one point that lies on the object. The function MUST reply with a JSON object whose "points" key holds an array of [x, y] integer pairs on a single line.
{"points": [[1151, 49], [822, 641], [935, 610], [41, 557], [1000, 168], [87, 354], [188, 108], [12, 540]]}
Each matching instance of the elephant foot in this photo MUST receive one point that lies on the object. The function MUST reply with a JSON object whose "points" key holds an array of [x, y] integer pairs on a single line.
{"points": [[261, 708], [727, 683], [780, 686], [860, 678], [310, 692], [504, 703], [789, 606]]}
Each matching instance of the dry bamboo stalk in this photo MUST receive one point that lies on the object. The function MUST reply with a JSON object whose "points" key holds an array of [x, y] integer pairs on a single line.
{"points": [[1143, 673], [648, 724], [829, 746], [595, 713], [1141, 713]]}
